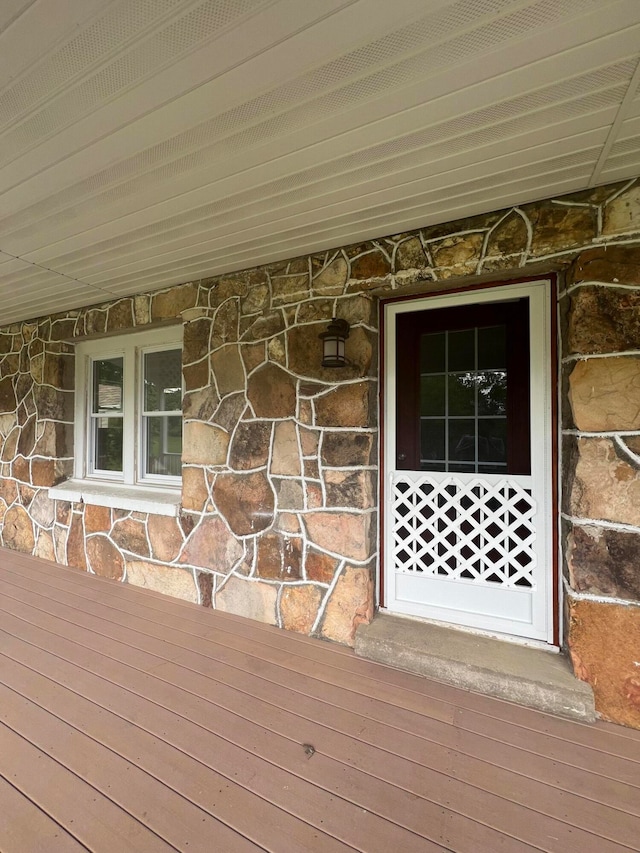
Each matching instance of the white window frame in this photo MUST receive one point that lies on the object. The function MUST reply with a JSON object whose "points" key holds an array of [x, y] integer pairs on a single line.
{"points": [[131, 488]]}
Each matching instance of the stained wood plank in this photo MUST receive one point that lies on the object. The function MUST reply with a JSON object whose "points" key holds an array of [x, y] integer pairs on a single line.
{"points": [[409, 774], [204, 692], [24, 826]]}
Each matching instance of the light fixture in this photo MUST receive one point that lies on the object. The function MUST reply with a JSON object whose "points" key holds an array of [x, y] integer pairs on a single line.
{"points": [[333, 341]]}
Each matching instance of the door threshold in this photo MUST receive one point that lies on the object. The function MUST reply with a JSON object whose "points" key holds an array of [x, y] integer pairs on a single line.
{"points": [[522, 674]]}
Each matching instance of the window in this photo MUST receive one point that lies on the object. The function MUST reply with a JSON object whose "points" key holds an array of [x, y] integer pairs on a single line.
{"points": [[129, 418]]}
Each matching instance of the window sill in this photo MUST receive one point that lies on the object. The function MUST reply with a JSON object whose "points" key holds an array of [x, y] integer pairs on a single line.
{"points": [[158, 501]]}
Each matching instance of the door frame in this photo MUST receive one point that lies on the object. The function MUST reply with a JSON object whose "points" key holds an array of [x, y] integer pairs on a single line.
{"points": [[483, 293]]}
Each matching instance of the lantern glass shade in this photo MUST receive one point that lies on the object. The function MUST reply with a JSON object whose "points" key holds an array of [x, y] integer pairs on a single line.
{"points": [[333, 343]]}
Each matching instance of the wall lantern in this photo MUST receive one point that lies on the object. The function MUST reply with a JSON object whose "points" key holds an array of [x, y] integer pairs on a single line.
{"points": [[333, 340]]}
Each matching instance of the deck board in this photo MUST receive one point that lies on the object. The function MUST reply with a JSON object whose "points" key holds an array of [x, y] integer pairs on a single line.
{"points": [[191, 726]]}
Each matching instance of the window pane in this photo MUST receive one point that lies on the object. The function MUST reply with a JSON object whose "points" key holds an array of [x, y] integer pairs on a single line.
{"points": [[163, 381], [492, 392], [107, 385], [107, 444], [462, 350], [432, 395], [492, 440], [492, 347], [462, 394], [164, 445], [432, 353], [432, 439], [462, 440]]}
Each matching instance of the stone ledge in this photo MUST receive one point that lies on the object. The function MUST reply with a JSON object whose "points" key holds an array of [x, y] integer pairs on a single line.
{"points": [[533, 677]]}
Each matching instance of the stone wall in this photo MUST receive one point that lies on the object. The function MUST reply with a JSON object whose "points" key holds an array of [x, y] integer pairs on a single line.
{"points": [[279, 509]]}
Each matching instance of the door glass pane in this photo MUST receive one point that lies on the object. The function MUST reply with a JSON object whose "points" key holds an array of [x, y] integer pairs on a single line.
{"points": [[462, 440], [461, 350], [164, 445], [492, 440], [432, 439], [462, 394], [163, 381], [492, 392], [107, 385], [432, 395], [432, 353], [107, 444], [492, 347]]}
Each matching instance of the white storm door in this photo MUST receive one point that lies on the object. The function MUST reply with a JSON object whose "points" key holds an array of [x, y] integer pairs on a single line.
{"points": [[468, 450]]}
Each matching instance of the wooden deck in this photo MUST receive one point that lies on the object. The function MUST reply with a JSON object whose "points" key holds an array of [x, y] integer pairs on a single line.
{"points": [[134, 722]]}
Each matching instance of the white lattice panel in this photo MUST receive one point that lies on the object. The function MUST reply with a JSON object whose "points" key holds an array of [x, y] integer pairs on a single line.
{"points": [[474, 531]]}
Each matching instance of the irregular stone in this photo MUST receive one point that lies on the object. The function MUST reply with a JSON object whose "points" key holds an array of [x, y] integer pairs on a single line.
{"points": [[63, 512], [315, 310], [289, 494], [276, 351], [359, 308], [622, 214], [373, 264], [351, 489], [253, 355], [251, 599], [26, 494], [228, 369], [212, 546], [60, 535], [287, 289], [605, 486], [558, 227], [8, 400], [604, 562], [509, 236], [604, 640], [97, 519], [45, 549], [285, 458], [605, 394], [351, 405], [164, 579], [345, 449], [263, 327], [95, 321], [410, 254], [344, 533], [170, 303], [616, 264], [10, 445], [8, 490], [120, 315], [75, 543], [59, 369], [53, 403], [246, 501], [195, 345], [142, 309], [320, 567], [196, 375], [43, 472], [228, 412], [63, 329], [250, 445], [633, 443], [204, 444], [225, 324], [42, 509], [309, 441], [165, 537], [195, 492], [603, 320], [131, 536], [332, 278], [305, 353], [205, 587], [256, 300], [299, 607], [200, 405], [17, 530], [272, 392], [104, 558], [20, 469], [279, 557], [27, 439], [311, 469], [458, 254], [350, 605]]}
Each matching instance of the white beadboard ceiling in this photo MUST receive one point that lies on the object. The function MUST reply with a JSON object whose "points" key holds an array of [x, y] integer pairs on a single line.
{"points": [[149, 142]]}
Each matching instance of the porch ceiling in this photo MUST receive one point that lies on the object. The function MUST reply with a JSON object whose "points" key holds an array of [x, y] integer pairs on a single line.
{"points": [[149, 142]]}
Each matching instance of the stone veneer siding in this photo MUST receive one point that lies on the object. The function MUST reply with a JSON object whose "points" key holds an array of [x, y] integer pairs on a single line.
{"points": [[279, 507]]}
